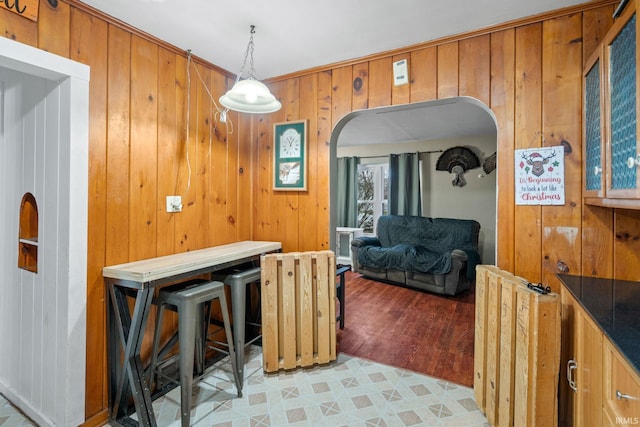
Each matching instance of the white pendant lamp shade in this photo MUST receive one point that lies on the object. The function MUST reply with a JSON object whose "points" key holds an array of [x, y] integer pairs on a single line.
{"points": [[250, 96]]}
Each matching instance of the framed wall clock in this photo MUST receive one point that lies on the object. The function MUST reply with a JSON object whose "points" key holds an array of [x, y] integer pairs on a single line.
{"points": [[290, 156]]}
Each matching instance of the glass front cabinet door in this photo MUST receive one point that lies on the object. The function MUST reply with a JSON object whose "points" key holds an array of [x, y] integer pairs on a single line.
{"points": [[622, 159], [593, 129]]}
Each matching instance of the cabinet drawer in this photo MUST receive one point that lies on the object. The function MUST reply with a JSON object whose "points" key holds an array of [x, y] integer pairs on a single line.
{"points": [[621, 387]]}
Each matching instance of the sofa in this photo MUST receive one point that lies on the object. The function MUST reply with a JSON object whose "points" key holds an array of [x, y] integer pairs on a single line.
{"points": [[433, 254]]}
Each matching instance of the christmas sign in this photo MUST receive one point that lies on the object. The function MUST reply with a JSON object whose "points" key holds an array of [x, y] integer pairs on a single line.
{"points": [[540, 176]]}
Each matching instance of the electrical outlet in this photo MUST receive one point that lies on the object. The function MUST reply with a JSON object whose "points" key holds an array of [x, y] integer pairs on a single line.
{"points": [[174, 204]]}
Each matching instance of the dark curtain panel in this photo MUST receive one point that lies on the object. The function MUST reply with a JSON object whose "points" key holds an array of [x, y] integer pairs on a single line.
{"points": [[347, 211], [404, 184]]}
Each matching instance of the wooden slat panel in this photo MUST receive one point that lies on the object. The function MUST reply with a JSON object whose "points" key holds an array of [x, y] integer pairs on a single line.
{"points": [[204, 161], [269, 306], [528, 134], [538, 356], [595, 24], [448, 70], [15, 27], [305, 310], [493, 347], [287, 311], [506, 395], [503, 105], [480, 337], [597, 241]]}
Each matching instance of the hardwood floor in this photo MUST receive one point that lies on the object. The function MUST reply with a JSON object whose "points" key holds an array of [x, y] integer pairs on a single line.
{"points": [[407, 328]]}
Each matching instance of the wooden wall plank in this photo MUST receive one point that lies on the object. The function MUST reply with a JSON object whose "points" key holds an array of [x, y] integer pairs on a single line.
{"points": [[528, 134], [626, 249], [448, 70], [89, 45], [204, 159], [475, 68], [143, 149], [360, 86], [503, 107], [15, 27], [325, 120], [380, 82], [423, 74], [595, 24], [168, 150], [118, 146], [340, 93], [54, 27], [562, 124], [401, 94], [308, 202]]}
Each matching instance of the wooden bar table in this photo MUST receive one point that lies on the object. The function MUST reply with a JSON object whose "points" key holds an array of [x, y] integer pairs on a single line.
{"points": [[138, 280]]}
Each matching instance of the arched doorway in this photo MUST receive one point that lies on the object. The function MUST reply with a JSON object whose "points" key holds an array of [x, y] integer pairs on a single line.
{"points": [[429, 127]]}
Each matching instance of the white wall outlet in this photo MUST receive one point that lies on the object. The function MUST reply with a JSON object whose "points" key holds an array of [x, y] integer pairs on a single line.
{"points": [[174, 204]]}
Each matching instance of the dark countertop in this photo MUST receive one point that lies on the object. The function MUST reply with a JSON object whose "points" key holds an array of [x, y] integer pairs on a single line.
{"points": [[615, 306]]}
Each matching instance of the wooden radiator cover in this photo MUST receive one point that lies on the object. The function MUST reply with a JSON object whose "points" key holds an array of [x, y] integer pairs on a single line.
{"points": [[298, 309]]}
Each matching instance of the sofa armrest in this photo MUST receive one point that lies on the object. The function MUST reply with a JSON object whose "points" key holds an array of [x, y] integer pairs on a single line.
{"points": [[365, 241], [360, 242]]}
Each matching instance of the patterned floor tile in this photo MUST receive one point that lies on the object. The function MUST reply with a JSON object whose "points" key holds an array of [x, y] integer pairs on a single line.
{"points": [[350, 392]]}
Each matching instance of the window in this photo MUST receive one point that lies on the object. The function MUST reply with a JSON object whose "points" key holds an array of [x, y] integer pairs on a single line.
{"points": [[373, 194]]}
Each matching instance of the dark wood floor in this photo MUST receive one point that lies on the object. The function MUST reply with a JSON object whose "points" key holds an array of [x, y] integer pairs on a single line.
{"points": [[410, 329]]}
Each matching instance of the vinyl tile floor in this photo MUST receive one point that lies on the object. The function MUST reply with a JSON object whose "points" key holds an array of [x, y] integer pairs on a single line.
{"points": [[349, 392]]}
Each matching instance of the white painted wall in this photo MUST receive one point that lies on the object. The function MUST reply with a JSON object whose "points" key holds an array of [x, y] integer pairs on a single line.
{"points": [[440, 199], [44, 151]]}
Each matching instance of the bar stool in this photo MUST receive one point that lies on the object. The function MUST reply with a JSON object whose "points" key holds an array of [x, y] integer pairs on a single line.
{"points": [[238, 279], [189, 301]]}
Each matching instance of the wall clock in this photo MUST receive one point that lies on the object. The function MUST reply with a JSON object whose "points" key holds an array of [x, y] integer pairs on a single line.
{"points": [[290, 156]]}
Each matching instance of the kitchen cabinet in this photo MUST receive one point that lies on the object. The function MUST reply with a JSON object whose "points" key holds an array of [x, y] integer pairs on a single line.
{"points": [[581, 367], [621, 388], [600, 382], [611, 158]]}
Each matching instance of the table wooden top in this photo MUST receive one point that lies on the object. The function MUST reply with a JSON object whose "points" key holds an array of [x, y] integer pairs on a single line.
{"points": [[163, 267]]}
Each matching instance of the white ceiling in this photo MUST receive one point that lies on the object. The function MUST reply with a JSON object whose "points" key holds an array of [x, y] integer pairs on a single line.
{"points": [[295, 35]]}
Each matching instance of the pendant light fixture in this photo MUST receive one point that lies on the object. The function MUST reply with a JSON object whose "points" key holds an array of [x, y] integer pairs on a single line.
{"points": [[250, 95]]}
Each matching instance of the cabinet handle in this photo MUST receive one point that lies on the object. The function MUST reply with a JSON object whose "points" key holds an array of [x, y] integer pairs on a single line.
{"points": [[571, 366], [632, 162], [621, 396], [597, 170]]}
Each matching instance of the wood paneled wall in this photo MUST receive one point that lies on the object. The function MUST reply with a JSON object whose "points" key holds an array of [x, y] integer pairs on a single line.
{"points": [[527, 72]]}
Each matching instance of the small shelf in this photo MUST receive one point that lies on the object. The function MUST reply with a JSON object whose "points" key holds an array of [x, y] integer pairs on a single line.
{"points": [[28, 234], [604, 202]]}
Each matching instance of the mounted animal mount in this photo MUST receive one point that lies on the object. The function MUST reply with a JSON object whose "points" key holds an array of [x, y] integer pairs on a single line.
{"points": [[457, 160]]}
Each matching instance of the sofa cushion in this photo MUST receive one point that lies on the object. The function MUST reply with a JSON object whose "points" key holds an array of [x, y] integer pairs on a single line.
{"points": [[406, 257]]}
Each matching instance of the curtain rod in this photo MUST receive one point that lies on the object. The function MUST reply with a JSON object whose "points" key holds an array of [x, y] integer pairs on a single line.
{"points": [[387, 155]]}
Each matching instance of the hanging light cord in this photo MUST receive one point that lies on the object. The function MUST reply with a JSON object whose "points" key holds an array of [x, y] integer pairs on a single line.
{"points": [[220, 115]]}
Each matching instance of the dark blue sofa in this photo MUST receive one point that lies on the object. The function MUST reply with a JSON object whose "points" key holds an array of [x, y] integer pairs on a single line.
{"points": [[434, 254]]}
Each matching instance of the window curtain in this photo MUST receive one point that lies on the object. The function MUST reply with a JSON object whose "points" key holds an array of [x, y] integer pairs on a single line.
{"points": [[404, 184], [347, 211]]}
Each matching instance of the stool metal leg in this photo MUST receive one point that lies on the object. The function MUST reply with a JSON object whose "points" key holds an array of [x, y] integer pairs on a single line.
{"points": [[238, 298], [187, 332], [232, 351]]}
